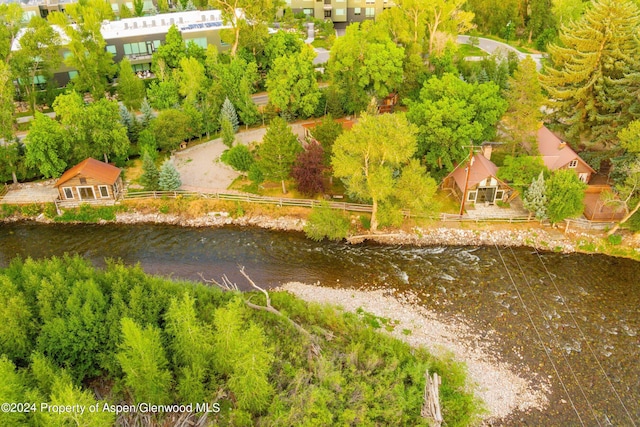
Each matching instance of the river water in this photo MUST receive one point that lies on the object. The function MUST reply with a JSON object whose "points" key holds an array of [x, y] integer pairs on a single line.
{"points": [[584, 308]]}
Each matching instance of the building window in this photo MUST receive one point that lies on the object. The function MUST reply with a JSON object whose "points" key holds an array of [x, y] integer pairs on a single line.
{"points": [[83, 180], [339, 12], [356, 11], [104, 191], [573, 163], [68, 192], [370, 2], [141, 48], [199, 41], [499, 194], [370, 12], [66, 54], [307, 12], [111, 49], [327, 14], [471, 196], [73, 75]]}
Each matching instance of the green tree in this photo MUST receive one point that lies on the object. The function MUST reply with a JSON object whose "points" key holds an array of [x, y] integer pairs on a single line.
{"points": [[326, 133], [292, 84], [627, 194], [138, 7], [519, 171], [227, 134], [281, 44], [492, 16], [169, 177], [326, 223], [143, 361], [164, 94], [535, 198], [278, 152], [592, 84], [629, 137], [192, 81], [192, 348], [237, 81], [124, 12], [566, 11], [565, 195], [522, 119], [373, 158], [131, 90], [65, 393], [38, 57], [239, 158], [241, 353], [254, 12], [147, 113], [150, 173], [170, 128], [82, 24], [365, 62], [445, 16], [12, 389], [46, 147], [451, 114], [11, 17], [17, 328], [6, 103], [171, 52]]}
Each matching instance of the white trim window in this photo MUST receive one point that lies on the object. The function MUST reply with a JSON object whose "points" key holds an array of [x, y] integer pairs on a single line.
{"points": [[104, 191], [471, 196], [499, 194], [86, 187], [573, 164], [68, 193]]}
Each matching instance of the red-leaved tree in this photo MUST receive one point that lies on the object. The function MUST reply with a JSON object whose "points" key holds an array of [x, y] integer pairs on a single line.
{"points": [[308, 168]]}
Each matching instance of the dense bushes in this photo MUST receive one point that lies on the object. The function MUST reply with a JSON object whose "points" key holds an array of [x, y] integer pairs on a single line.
{"points": [[69, 330]]}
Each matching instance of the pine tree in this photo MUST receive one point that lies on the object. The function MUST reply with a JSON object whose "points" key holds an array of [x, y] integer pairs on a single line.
{"points": [[147, 113], [278, 152], [521, 122], [535, 199], [229, 112], [593, 84], [150, 174], [169, 177]]}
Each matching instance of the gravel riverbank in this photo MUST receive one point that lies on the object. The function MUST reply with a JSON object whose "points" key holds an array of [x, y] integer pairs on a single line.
{"points": [[496, 383]]}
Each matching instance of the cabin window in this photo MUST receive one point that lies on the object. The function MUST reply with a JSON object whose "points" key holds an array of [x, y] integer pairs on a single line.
{"points": [[104, 191], [83, 180], [499, 194], [68, 192], [471, 196], [573, 163]]}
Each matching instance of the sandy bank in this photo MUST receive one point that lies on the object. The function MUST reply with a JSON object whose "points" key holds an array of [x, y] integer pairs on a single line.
{"points": [[496, 383]]}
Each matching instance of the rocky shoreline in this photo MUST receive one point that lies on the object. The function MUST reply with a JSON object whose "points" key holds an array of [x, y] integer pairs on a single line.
{"points": [[497, 384]]}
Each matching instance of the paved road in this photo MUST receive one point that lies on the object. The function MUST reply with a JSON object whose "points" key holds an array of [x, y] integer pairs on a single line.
{"points": [[492, 46]]}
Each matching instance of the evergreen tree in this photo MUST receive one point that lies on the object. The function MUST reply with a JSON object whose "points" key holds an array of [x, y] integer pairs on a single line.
{"points": [[238, 157], [147, 113], [169, 177], [150, 175], [227, 133], [143, 361], [326, 133], [593, 83], [278, 151], [535, 199], [565, 195], [229, 112], [522, 120]]}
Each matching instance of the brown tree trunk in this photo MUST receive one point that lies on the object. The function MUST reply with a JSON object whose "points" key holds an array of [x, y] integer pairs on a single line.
{"points": [[284, 189], [13, 175], [106, 159], [374, 217], [234, 47]]}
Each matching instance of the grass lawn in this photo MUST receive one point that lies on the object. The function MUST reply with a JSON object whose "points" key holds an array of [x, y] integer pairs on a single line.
{"points": [[322, 43], [520, 45], [447, 203], [465, 50]]}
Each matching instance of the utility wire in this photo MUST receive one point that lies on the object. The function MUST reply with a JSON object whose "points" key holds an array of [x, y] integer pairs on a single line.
{"points": [[585, 340], [555, 339], [546, 350]]}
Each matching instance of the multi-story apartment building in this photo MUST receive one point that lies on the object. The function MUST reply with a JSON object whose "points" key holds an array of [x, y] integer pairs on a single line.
{"points": [[340, 11], [138, 38]]}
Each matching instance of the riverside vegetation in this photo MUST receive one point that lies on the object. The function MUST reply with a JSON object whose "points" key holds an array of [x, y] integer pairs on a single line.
{"points": [[71, 332]]}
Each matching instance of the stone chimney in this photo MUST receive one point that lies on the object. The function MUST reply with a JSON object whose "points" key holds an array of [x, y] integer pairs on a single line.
{"points": [[486, 151]]}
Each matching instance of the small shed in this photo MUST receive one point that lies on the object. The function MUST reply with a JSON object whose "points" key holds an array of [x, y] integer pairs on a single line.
{"points": [[595, 208], [480, 182], [90, 180]]}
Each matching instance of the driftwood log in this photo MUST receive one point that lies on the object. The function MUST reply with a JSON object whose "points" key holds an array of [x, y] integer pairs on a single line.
{"points": [[431, 405]]}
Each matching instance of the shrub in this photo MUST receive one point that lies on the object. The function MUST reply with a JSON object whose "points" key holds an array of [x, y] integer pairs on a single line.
{"points": [[328, 223], [615, 239], [238, 157]]}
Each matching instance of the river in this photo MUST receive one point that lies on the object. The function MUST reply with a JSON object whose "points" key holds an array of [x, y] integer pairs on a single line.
{"points": [[584, 308]]}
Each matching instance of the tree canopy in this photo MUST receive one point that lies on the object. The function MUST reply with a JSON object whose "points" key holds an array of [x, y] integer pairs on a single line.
{"points": [[375, 161], [278, 151], [593, 82]]}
